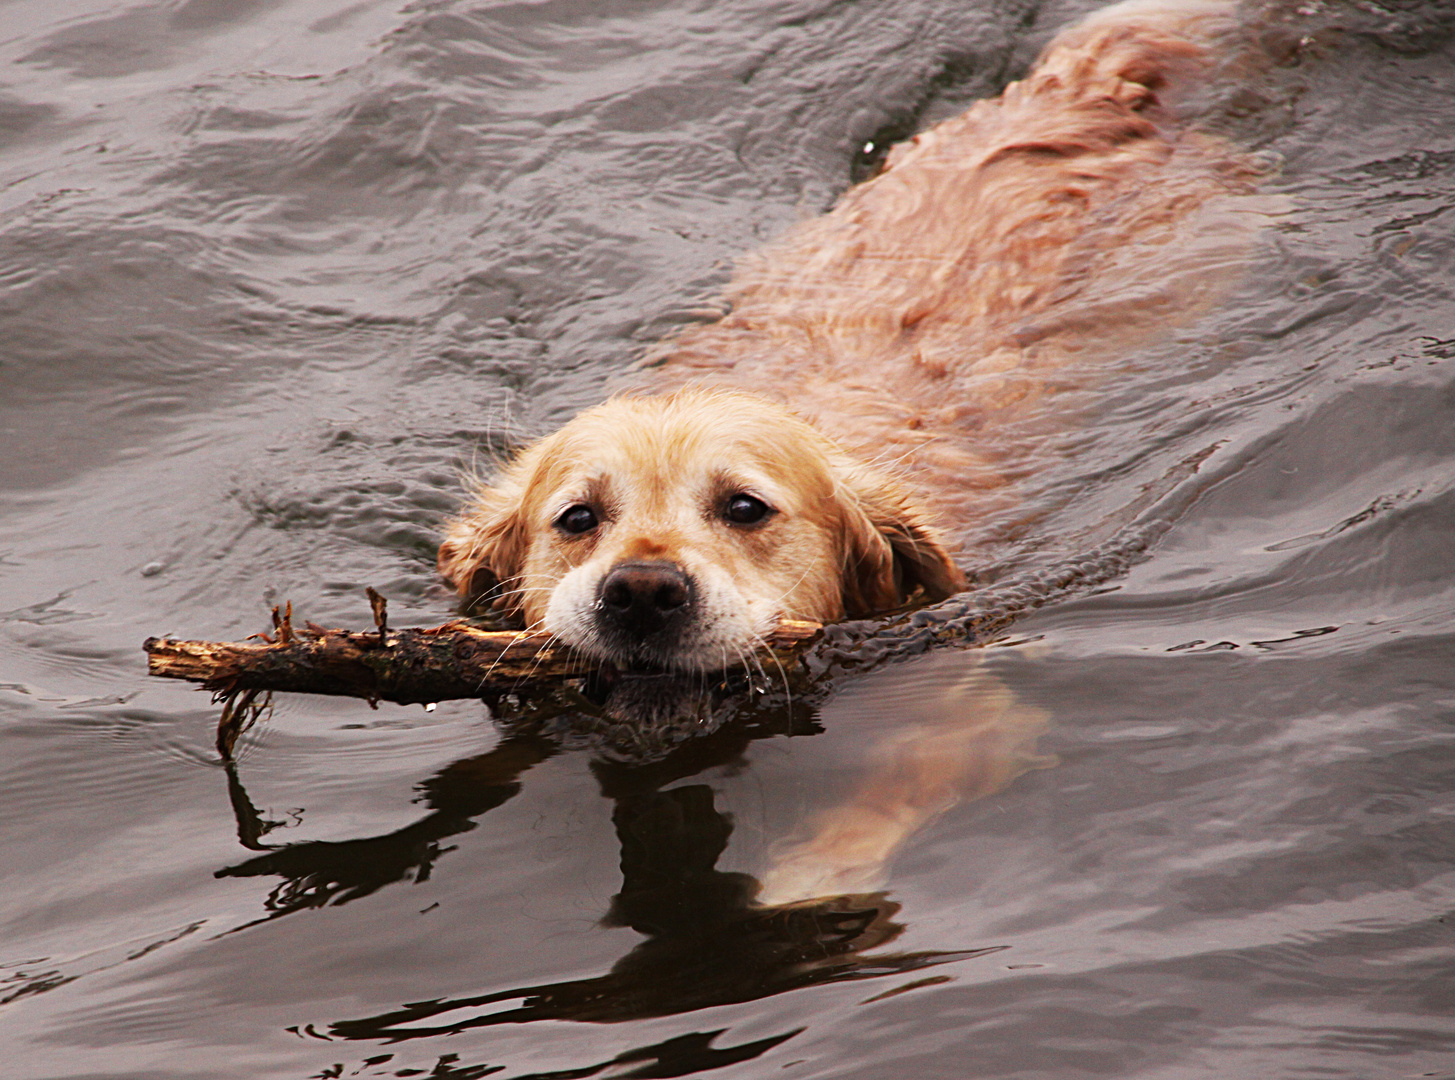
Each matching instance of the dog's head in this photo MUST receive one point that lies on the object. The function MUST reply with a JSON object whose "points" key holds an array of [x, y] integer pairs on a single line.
{"points": [[671, 532]]}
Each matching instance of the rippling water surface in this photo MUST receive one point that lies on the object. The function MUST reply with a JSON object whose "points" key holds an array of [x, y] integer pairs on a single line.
{"points": [[272, 272]]}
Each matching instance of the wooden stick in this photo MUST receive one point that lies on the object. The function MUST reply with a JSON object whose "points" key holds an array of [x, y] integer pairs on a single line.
{"points": [[408, 666]]}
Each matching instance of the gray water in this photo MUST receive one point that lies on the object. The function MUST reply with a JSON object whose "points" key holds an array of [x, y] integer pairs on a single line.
{"points": [[274, 272]]}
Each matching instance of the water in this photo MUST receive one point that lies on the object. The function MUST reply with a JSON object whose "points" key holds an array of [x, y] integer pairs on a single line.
{"points": [[272, 273]]}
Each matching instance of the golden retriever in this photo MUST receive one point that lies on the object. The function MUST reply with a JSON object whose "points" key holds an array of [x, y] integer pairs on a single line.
{"points": [[806, 455], [671, 531], [827, 448]]}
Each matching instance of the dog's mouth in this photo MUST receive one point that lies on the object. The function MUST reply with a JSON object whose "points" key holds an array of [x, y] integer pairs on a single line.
{"points": [[651, 621], [667, 653], [648, 667], [645, 661], [645, 618]]}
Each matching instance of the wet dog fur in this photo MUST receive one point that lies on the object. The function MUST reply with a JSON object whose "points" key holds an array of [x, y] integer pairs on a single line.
{"points": [[661, 475], [913, 323]]}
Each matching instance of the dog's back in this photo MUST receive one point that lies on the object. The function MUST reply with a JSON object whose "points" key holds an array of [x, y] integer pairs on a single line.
{"points": [[1059, 223], [919, 323]]}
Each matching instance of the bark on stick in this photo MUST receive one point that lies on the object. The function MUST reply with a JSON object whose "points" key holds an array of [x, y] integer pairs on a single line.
{"points": [[407, 666]]}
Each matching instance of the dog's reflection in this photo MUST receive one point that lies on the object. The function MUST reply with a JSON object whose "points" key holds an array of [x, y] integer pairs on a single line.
{"points": [[711, 937], [706, 942], [952, 733]]}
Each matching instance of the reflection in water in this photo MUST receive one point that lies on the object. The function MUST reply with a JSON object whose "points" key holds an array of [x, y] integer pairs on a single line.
{"points": [[706, 943], [711, 937], [952, 739], [320, 872]]}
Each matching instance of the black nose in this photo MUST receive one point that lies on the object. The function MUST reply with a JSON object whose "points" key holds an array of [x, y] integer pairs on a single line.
{"points": [[644, 597]]}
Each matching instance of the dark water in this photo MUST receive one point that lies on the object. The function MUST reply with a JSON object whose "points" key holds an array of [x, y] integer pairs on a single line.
{"points": [[273, 271]]}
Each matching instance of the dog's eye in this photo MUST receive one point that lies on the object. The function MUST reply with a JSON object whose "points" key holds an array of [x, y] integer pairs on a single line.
{"points": [[745, 510], [577, 519]]}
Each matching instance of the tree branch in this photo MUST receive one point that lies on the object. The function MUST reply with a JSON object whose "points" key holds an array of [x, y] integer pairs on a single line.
{"points": [[410, 666]]}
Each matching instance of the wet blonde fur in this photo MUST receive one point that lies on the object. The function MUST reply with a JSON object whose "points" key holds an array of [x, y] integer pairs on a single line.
{"points": [[913, 324]]}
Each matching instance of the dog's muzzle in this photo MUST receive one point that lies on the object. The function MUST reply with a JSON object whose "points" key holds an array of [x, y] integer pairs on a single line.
{"points": [[643, 607]]}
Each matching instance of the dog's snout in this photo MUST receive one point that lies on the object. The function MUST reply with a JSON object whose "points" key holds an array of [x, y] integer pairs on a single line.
{"points": [[642, 598]]}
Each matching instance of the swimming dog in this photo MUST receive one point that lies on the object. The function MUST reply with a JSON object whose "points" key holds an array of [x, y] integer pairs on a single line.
{"points": [[818, 452], [915, 323]]}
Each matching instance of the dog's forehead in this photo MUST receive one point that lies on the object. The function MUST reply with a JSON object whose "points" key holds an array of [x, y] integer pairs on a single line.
{"points": [[689, 445]]}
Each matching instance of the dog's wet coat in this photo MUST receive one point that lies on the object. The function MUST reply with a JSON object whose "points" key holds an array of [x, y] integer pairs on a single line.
{"points": [[915, 324], [672, 531], [918, 323]]}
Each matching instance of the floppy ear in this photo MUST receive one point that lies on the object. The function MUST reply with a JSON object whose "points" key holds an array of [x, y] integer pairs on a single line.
{"points": [[483, 548], [891, 550]]}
